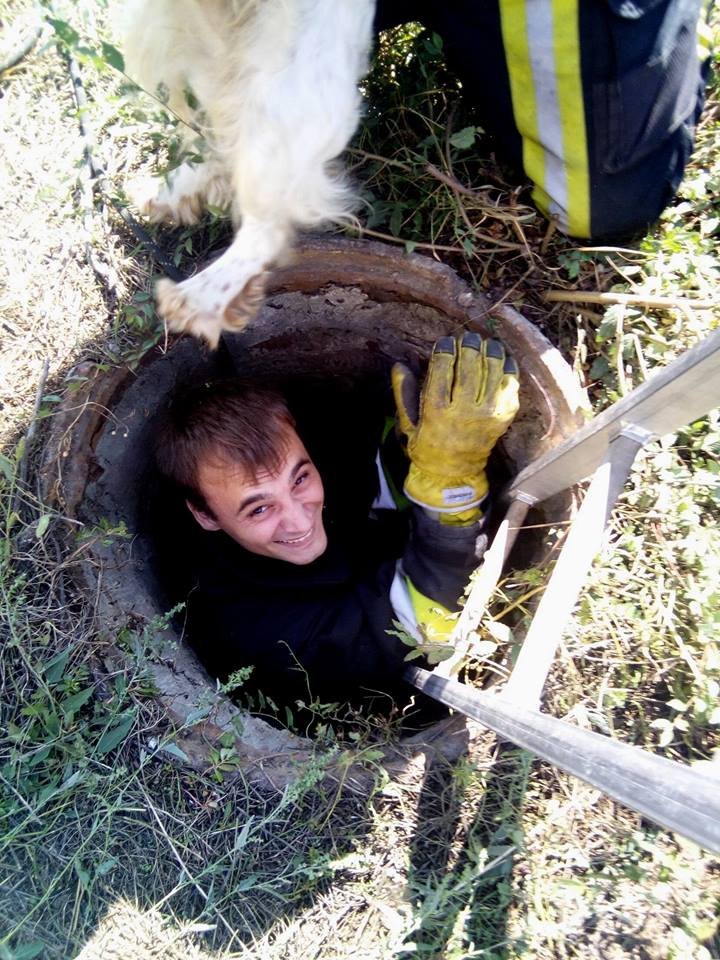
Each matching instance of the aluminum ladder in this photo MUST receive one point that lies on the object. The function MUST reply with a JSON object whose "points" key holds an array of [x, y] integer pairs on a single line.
{"points": [[671, 794]]}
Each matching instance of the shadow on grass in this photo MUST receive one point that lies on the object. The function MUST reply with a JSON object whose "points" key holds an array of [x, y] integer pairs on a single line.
{"points": [[469, 826], [223, 865], [245, 869]]}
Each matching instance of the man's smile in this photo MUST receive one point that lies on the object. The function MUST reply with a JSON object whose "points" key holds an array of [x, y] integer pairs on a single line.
{"points": [[301, 539]]}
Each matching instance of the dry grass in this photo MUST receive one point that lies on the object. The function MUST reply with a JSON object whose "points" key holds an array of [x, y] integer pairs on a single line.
{"points": [[50, 303]]}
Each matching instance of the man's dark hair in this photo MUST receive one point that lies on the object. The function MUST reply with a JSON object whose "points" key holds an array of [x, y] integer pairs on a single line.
{"points": [[226, 421]]}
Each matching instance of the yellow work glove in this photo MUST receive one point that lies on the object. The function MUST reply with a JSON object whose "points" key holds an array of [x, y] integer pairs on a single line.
{"points": [[468, 401]]}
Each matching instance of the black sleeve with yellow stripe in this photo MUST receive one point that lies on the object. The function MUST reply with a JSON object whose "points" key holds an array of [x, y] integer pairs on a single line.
{"points": [[439, 556], [432, 574]]}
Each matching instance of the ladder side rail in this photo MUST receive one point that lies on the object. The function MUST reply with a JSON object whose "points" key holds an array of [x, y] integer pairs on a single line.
{"points": [[682, 392], [583, 542], [483, 585], [670, 794]]}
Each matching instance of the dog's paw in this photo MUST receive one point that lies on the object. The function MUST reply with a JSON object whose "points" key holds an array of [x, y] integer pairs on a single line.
{"points": [[186, 308], [243, 307], [177, 306], [185, 210], [183, 197], [159, 203]]}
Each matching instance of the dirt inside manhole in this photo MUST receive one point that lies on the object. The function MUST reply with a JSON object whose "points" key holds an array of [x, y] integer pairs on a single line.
{"points": [[335, 321]]}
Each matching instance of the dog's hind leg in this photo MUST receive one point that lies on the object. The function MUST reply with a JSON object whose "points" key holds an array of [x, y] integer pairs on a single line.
{"points": [[228, 293], [286, 109], [171, 52]]}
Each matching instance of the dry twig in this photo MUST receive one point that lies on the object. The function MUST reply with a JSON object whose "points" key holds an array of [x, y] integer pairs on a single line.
{"points": [[435, 246], [629, 300], [22, 470]]}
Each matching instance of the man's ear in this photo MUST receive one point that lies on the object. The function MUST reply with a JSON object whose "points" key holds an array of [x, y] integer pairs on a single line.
{"points": [[206, 521]]}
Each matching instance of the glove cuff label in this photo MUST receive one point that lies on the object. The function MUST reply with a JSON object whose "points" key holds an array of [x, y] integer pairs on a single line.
{"points": [[459, 506], [458, 496]]}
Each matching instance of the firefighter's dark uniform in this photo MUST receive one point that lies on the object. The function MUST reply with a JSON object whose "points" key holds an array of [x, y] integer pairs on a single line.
{"points": [[595, 100]]}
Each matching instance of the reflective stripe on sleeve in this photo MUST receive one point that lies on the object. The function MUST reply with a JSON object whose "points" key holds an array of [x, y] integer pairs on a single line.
{"points": [[542, 49], [402, 605], [385, 499], [423, 618]]}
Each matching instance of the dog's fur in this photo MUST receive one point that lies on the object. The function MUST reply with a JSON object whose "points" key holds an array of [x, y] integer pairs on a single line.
{"points": [[276, 82]]}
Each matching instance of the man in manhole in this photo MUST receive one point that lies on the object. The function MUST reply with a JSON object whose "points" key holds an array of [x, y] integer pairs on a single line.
{"points": [[313, 587]]}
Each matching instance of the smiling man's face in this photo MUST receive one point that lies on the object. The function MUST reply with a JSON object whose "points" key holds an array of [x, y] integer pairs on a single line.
{"points": [[275, 515]]}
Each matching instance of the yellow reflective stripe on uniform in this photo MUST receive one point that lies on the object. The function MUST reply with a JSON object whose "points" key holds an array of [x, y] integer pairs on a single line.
{"points": [[522, 91], [541, 41], [435, 622]]}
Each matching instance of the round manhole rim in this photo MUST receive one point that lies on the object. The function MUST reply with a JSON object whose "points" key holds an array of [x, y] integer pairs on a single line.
{"points": [[381, 272]]}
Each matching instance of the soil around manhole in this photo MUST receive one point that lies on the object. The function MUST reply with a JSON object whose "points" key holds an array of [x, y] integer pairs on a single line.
{"points": [[98, 466]]}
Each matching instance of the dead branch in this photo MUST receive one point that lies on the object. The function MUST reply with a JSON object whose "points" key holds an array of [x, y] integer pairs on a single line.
{"points": [[629, 299], [22, 470], [437, 246]]}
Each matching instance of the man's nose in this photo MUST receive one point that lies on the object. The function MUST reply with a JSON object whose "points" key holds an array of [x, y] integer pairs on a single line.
{"points": [[295, 516]]}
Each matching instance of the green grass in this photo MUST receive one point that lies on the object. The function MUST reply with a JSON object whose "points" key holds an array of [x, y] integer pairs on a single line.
{"points": [[498, 857]]}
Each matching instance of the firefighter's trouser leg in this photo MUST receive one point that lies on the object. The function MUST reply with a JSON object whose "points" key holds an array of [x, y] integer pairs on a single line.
{"points": [[596, 101]]}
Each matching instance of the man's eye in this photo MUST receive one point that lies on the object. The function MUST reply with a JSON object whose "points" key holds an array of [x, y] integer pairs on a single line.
{"points": [[302, 478], [258, 511]]}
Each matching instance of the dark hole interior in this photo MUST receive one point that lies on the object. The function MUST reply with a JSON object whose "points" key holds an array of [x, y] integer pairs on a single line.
{"points": [[340, 414]]}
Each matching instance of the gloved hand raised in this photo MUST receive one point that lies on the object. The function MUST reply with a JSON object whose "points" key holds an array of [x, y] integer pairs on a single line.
{"points": [[468, 401]]}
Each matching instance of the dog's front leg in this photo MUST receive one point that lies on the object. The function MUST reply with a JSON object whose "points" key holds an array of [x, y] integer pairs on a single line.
{"points": [[288, 106]]}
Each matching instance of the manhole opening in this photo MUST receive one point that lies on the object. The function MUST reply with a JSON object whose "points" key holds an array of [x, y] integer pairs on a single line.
{"points": [[330, 345]]}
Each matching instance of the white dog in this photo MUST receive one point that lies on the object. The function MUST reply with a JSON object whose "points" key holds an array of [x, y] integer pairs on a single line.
{"points": [[276, 82]]}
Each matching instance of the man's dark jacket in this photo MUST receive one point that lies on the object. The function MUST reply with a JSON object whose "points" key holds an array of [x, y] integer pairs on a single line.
{"points": [[320, 630]]}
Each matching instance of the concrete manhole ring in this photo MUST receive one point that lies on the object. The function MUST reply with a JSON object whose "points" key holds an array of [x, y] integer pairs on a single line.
{"points": [[342, 308]]}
